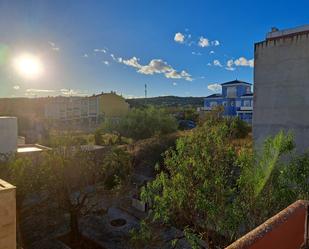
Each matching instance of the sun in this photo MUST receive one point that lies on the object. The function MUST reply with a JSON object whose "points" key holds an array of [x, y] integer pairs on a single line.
{"points": [[28, 66]]}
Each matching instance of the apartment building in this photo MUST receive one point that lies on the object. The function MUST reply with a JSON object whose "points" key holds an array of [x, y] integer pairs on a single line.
{"points": [[90, 109]]}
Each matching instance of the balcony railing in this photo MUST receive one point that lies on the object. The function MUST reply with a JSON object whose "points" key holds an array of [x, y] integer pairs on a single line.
{"points": [[246, 108]]}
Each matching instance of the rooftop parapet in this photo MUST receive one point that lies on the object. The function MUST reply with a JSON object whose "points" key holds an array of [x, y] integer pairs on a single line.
{"points": [[285, 230], [276, 33], [5, 185]]}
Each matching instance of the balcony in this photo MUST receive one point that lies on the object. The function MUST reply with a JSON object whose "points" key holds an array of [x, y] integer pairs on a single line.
{"points": [[246, 108], [285, 230]]}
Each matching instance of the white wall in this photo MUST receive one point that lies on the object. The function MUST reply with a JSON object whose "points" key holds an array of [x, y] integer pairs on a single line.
{"points": [[8, 134], [281, 89]]}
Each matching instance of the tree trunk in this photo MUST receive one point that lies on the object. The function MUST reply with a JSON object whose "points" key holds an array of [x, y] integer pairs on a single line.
{"points": [[75, 233]]}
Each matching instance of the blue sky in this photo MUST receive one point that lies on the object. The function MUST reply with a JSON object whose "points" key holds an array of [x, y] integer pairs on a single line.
{"points": [[177, 47]]}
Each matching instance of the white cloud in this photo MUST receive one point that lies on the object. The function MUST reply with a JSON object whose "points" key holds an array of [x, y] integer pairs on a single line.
{"points": [[217, 63], [71, 92], [157, 66], [85, 56], [209, 64], [113, 57], [230, 65], [214, 87], [179, 37], [196, 53], [54, 92], [174, 84], [230, 68], [133, 62], [243, 62], [211, 52], [32, 90], [106, 63], [240, 62], [16, 87], [100, 50], [203, 42], [173, 74], [215, 43], [53, 46]]}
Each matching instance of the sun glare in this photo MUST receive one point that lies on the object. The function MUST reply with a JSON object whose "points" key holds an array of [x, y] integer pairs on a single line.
{"points": [[28, 66]]}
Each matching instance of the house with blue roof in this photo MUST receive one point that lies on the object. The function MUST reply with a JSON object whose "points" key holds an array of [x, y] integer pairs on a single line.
{"points": [[237, 99]]}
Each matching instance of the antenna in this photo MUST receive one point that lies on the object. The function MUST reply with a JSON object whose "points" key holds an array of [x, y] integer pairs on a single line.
{"points": [[145, 91]]}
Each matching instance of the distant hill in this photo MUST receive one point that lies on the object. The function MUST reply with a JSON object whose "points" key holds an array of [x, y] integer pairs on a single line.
{"points": [[167, 101]]}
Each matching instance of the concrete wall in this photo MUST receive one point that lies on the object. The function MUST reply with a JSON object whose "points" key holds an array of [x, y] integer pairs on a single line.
{"points": [[285, 230], [8, 134], [281, 88], [7, 216]]}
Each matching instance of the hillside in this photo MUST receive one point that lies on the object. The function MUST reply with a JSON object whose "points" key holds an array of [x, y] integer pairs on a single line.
{"points": [[167, 101]]}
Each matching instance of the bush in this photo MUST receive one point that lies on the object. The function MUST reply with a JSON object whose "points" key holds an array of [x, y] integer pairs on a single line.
{"points": [[209, 186]]}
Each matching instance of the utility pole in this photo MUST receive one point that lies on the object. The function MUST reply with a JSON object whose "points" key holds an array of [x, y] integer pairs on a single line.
{"points": [[145, 91]]}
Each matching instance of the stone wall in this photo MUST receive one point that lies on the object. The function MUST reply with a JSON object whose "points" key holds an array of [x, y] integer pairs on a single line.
{"points": [[7, 216], [281, 88]]}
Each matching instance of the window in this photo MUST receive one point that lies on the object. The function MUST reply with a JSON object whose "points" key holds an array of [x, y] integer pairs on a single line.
{"points": [[238, 103], [247, 103], [213, 104], [231, 92]]}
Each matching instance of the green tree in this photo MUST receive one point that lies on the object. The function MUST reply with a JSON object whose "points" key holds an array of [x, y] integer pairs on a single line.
{"points": [[70, 180], [214, 189], [116, 168]]}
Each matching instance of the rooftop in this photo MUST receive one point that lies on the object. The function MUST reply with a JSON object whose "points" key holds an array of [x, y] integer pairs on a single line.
{"points": [[215, 95], [276, 33], [235, 82], [7, 117], [27, 148]]}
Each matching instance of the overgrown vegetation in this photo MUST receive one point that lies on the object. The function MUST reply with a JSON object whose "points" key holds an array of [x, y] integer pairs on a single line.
{"points": [[219, 191], [69, 177], [139, 124]]}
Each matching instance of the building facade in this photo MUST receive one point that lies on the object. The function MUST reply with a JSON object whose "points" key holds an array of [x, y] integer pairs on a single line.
{"points": [[90, 109], [281, 85], [236, 98]]}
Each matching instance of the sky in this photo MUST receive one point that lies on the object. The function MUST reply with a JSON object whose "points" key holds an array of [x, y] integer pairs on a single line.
{"points": [[181, 48]]}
